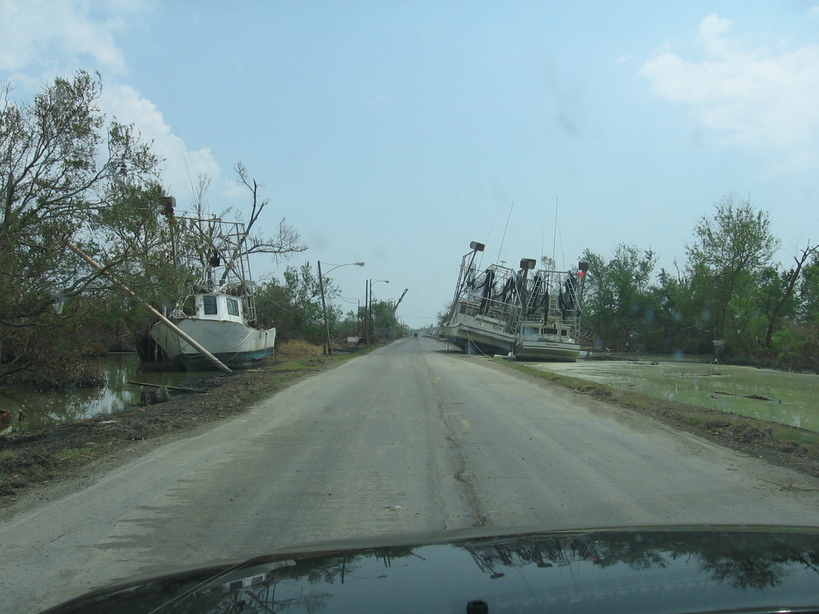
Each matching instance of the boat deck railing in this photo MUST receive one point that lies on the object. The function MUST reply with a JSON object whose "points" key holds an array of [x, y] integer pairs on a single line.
{"points": [[504, 314]]}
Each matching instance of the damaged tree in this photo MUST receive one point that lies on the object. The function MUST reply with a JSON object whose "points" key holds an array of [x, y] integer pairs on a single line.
{"points": [[282, 244], [66, 174]]}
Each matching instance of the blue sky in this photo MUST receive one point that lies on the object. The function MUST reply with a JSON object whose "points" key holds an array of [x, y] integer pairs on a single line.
{"points": [[397, 132]]}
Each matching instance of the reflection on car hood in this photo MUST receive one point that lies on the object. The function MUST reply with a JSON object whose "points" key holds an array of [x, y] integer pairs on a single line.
{"points": [[624, 570]]}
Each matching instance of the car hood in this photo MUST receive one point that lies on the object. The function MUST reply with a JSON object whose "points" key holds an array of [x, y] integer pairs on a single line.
{"points": [[668, 569]]}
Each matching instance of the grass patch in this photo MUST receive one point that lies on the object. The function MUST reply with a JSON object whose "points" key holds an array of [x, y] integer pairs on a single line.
{"points": [[298, 347], [77, 456], [741, 430], [6, 456], [7, 461], [795, 435]]}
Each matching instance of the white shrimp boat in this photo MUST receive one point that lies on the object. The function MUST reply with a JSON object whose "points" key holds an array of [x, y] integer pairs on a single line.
{"points": [[219, 323], [498, 310], [549, 326], [485, 307], [219, 313]]}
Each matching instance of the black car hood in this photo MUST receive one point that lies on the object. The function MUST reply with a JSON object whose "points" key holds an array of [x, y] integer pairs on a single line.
{"points": [[691, 569]]}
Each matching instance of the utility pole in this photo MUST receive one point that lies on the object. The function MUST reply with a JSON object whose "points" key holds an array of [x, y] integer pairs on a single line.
{"points": [[367, 313], [370, 319], [327, 350]]}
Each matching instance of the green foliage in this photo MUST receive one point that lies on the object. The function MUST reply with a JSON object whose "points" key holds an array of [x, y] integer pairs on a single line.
{"points": [[797, 345], [809, 290], [726, 264], [66, 175], [384, 323], [619, 306], [351, 325], [294, 307], [731, 291]]}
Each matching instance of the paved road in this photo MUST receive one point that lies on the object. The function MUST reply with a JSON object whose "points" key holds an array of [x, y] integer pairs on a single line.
{"points": [[410, 438]]}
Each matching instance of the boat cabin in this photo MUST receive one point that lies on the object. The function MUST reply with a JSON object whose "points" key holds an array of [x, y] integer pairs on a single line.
{"points": [[222, 307], [213, 306], [559, 331]]}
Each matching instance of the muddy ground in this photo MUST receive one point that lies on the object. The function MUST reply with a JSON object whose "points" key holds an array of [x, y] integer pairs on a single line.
{"points": [[30, 460], [45, 457]]}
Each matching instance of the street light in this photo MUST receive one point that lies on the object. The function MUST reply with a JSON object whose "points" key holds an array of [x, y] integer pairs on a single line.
{"points": [[369, 323], [328, 351]]}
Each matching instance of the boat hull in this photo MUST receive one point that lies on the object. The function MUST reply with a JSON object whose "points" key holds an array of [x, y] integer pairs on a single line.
{"points": [[478, 335], [547, 351], [236, 345]]}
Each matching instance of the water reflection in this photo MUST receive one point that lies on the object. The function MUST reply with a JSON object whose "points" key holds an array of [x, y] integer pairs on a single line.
{"points": [[41, 409], [790, 396], [610, 571]]}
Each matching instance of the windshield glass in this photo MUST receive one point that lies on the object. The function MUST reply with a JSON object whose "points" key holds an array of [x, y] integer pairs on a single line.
{"points": [[279, 273]]}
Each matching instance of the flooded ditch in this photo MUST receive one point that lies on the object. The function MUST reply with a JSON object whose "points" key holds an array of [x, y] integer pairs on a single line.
{"points": [[787, 398], [40, 409]]}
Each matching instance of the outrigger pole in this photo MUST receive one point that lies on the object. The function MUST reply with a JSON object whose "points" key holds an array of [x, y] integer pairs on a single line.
{"points": [[217, 363]]}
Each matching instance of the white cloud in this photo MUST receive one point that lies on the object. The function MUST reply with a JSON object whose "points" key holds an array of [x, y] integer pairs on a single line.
{"points": [[48, 35], [182, 166], [624, 58], [45, 38], [760, 98]]}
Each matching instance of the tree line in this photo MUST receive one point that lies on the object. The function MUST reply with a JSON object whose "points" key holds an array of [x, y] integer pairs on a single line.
{"points": [[293, 306], [729, 299], [72, 177], [68, 175]]}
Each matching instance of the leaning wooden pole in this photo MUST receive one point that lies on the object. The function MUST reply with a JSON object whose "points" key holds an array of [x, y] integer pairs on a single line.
{"points": [[217, 363]]}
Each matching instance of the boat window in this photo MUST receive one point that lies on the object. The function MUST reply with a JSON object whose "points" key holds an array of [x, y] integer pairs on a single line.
{"points": [[209, 303], [233, 306]]}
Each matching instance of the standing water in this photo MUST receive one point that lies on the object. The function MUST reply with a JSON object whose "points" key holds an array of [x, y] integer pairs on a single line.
{"points": [[40, 409]]}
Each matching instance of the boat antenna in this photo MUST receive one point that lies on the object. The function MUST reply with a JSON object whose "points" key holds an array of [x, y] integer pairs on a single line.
{"points": [[187, 169], [562, 251], [554, 236], [491, 226], [489, 234], [505, 229], [542, 239]]}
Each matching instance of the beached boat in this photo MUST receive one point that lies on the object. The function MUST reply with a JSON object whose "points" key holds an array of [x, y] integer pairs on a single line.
{"points": [[219, 312], [486, 307], [498, 310], [549, 324], [219, 323]]}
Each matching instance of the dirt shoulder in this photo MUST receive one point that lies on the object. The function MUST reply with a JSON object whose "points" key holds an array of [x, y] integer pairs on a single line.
{"points": [[73, 452], [786, 446], [67, 455]]}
